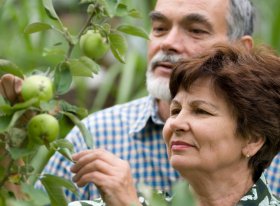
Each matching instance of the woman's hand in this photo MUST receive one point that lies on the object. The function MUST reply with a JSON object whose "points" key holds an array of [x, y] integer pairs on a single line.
{"points": [[109, 173]]}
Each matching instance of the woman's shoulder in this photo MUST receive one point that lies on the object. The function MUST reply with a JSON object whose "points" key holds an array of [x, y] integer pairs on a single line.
{"points": [[260, 195]]}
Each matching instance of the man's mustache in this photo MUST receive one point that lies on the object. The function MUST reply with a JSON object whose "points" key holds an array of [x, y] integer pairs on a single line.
{"points": [[163, 57]]}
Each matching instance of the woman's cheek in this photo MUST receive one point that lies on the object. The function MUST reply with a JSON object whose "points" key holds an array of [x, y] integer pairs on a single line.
{"points": [[167, 134]]}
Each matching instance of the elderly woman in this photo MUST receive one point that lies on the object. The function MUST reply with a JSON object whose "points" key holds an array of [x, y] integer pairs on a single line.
{"points": [[223, 131], [224, 125]]}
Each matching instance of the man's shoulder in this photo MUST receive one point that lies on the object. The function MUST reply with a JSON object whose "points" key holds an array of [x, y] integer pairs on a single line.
{"points": [[130, 107]]}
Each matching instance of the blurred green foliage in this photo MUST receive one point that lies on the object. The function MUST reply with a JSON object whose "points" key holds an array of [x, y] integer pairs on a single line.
{"points": [[268, 21], [117, 82]]}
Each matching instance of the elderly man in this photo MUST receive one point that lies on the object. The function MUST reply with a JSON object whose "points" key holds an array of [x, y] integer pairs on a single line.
{"points": [[133, 131]]}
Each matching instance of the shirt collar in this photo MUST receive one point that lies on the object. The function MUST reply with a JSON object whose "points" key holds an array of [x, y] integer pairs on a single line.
{"points": [[150, 110], [259, 193]]}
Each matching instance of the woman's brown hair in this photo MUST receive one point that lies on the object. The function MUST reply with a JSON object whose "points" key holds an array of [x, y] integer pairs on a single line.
{"points": [[250, 83]]}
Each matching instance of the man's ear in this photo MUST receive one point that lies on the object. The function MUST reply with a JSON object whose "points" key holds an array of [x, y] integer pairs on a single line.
{"points": [[247, 41], [254, 144]]}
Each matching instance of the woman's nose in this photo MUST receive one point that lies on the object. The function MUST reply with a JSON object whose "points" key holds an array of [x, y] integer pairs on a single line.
{"points": [[179, 124]]}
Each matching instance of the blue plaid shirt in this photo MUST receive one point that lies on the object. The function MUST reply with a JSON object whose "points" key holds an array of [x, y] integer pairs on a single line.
{"points": [[273, 175], [133, 132]]}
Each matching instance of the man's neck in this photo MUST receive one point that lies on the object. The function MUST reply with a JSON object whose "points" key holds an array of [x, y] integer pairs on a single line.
{"points": [[163, 109]]}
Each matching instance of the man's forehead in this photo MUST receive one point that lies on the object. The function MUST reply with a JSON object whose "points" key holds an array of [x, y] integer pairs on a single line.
{"points": [[213, 12], [191, 4]]}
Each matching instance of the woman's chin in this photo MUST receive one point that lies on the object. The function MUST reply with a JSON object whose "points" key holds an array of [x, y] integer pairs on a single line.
{"points": [[179, 163]]}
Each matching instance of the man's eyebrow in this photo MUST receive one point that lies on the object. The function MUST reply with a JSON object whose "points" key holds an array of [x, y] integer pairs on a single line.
{"points": [[197, 18], [157, 16], [188, 19]]}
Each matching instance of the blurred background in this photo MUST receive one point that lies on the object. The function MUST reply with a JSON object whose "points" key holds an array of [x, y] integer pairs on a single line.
{"points": [[116, 82]]}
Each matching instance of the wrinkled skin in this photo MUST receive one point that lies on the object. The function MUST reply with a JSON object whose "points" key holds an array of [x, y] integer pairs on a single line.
{"points": [[110, 174]]}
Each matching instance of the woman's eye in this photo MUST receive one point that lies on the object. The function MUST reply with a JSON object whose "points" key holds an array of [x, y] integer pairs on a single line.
{"points": [[174, 112], [201, 111]]}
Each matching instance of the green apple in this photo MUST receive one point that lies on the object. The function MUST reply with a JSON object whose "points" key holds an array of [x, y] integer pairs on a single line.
{"points": [[37, 86], [93, 45], [43, 129]]}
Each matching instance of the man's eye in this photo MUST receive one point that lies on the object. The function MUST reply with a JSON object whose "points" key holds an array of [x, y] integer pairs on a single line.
{"points": [[159, 29], [198, 31]]}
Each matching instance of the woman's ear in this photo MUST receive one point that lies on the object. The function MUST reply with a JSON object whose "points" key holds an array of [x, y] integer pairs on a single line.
{"points": [[254, 144], [247, 41]]}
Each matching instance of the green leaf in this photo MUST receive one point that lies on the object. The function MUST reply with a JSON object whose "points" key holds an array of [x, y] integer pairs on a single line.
{"points": [[17, 153], [4, 123], [58, 52], [9, 67], [121, 10], [133, 30], [66, 153], [106, 28], [51, 107], [153, 197], [78, 69], [36, 27], [38, 197], [10, 120], [90, 64], [62, 79], [118, 46], [83, 66], [62, 143], [110, 7], [79, 111], [134, 13], [53, 185], [86, 134], [85, 204], [157, 199], [64, 147], [7, 109], [48, 5]]}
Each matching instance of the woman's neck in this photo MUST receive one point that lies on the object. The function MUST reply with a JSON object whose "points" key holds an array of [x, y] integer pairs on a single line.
{"points": [[216, 190]]}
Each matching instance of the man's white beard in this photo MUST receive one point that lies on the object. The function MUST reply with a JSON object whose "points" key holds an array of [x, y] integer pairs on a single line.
{"points": [[158, 87]]}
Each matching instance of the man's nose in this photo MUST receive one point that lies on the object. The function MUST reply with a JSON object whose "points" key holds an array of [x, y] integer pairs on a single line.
{"points": [[173, 42]]}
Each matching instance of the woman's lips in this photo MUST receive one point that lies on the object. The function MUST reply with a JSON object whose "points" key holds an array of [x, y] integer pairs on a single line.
{"points": [[180, 145]]}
